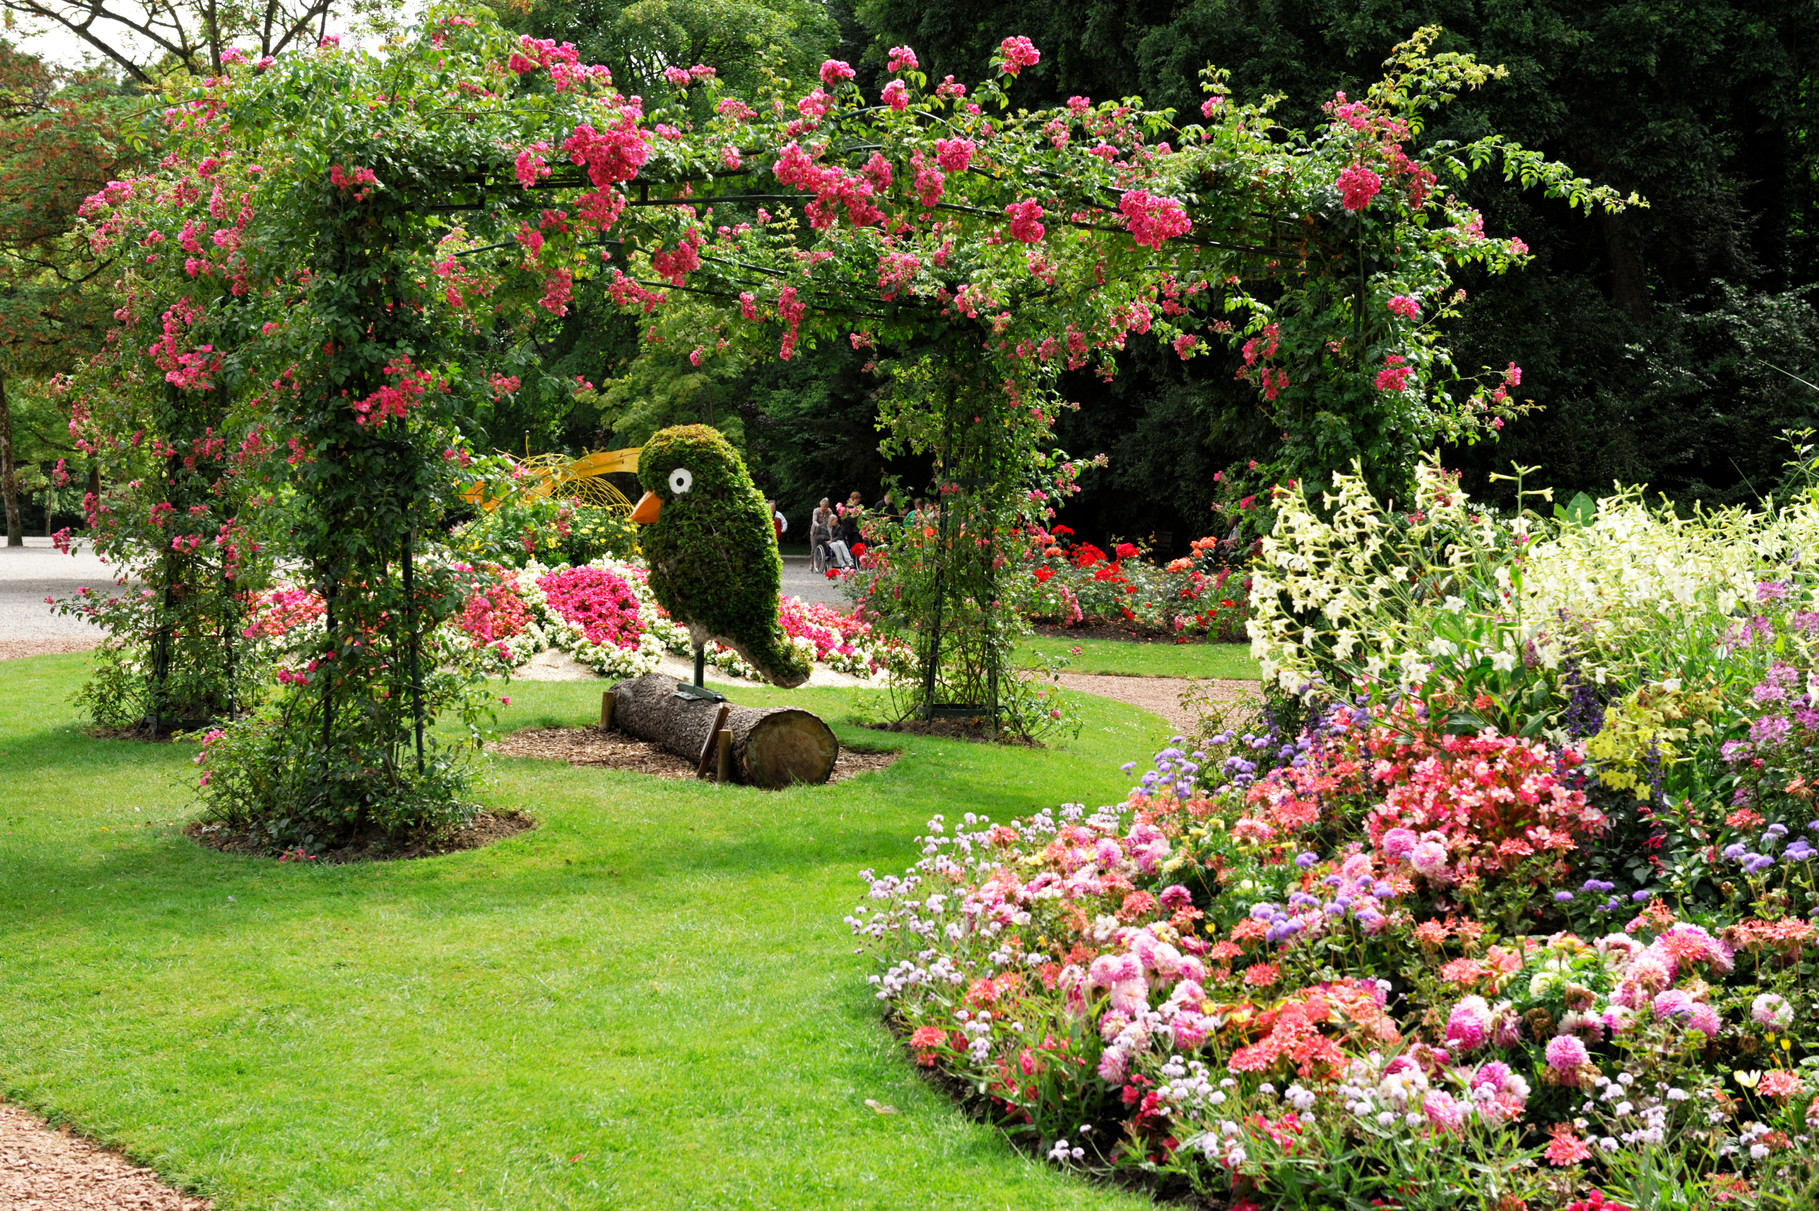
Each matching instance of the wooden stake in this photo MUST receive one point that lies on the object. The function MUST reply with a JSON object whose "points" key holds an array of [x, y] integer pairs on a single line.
{"points": [[724, 773], [707, 743], [607, 702]]}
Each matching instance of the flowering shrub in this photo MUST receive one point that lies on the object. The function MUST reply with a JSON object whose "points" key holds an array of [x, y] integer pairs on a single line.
{"points": [[1071, 583], [1363, 962]]}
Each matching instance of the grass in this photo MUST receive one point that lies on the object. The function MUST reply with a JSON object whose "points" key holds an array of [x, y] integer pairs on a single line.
{"points": [[648, 1002], [1148, 658]]}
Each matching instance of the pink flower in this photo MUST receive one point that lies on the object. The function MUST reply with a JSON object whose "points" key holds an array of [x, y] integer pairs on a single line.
{"points": [[1445, 1111], [1357, 186], [833, 71], [1018, 54], [1566, 1148], [1469, 1023], [1395, 373], [1399, 842], [1428, 857], [953, 155], [902, 59], [1184, 346], [1209, 105], [1026, 222], [1405, 306], [678, 76], [1565, 1053], [1152, 220], [896, 95]]}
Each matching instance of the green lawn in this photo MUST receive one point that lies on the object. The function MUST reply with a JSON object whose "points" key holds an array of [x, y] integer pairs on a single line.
{"points": [[650, 1001], [1148, 658]]}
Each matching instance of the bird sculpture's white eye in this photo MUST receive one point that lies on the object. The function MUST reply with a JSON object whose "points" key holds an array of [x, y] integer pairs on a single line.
{"points": [[681, 480]]}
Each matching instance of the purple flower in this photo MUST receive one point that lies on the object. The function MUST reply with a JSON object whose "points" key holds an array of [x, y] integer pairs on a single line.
{"points": [[1305, 860], [1799, 851], [1770, 729], [1734, 751], [1562, 897], [1736, 851], [1771, 590], [1767, 693], [1806, 623], [1641, 897], [1757, 862], [1807, 718]]}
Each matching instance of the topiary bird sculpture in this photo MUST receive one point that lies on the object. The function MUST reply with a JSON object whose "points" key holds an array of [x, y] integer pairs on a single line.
{"points": [[712, 552]]}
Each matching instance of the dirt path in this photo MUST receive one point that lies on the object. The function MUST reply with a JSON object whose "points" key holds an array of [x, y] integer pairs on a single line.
{"points": [[45, 1170], [1161, 695]]}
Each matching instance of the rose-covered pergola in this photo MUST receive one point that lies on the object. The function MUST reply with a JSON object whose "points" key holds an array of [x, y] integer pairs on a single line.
{"points": [[341, 246]]}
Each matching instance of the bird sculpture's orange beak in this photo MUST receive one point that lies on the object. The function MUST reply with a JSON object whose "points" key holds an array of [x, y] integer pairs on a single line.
{"points": [[649, 505]]}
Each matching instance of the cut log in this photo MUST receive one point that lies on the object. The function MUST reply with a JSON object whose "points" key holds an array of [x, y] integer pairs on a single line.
{"points": [[771, 746]]}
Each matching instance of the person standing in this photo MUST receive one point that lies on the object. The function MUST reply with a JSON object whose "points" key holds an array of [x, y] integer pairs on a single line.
{"points": [[779, 522]]}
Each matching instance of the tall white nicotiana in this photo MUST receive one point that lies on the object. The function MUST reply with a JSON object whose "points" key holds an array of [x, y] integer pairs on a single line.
{"points": [[1445, 587]]}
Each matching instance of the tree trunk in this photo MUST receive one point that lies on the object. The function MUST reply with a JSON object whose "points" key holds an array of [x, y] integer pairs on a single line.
{"points": [[9, 477], [772, 747]]}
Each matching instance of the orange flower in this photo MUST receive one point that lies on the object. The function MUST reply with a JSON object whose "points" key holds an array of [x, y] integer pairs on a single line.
{"points": [[1261, 975]]}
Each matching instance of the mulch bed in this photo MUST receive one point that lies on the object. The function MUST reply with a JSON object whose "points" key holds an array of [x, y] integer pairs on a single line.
{"points": [[616, 750], [484, 829], [46, 1170], [975, 730]]}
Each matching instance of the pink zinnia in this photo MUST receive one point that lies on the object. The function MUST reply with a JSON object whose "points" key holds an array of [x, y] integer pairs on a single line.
{"points": [[1565, 1052], [1444, 1110], [1429, 857], [1468, 1024]]}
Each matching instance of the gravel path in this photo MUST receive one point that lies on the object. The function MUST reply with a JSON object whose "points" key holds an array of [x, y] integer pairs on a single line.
{"points": [[28, 575], [1161, 695], [45, 1170]]}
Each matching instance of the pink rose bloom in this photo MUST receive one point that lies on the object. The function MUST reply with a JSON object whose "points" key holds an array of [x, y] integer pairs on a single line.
{"points": [[896, 95], [833, 71], [1018, 53], [1357, 186]]}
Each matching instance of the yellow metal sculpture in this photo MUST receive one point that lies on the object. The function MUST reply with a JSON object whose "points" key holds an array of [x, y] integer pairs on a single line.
{"points": [[582, 479]]}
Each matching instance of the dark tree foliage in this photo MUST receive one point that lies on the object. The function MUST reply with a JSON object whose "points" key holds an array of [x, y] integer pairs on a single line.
{"points": [[1653, 340]]}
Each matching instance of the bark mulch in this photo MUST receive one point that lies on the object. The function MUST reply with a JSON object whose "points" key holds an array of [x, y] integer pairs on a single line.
{"points": [[484, 829], [46, 1170], [616, 750]]}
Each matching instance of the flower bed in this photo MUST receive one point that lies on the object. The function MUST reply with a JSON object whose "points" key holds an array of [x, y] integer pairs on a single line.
{"points": [[1521, 919], [605, 616], [1069, 583]]}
